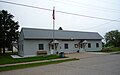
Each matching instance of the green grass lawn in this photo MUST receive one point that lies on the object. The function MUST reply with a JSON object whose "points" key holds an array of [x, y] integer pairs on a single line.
{"points": [[111, 49], [34, 64], [114, 49], [7, 59]]}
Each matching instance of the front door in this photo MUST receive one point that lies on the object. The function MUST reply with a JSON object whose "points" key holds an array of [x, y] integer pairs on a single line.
{"points": [[82, 49]]}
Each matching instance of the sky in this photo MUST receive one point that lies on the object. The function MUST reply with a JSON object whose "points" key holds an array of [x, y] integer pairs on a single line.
{"points": [[38, 18]]}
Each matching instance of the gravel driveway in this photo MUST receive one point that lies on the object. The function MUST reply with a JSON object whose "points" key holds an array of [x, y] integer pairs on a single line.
{"points": [[86, 54]]}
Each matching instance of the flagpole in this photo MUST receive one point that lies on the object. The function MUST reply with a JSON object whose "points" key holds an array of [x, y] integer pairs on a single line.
{"points": [[53, 26], [53, 29]]}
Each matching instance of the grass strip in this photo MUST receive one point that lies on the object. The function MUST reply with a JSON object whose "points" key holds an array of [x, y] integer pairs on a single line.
{"points": [[6, 68], [7, 59]]}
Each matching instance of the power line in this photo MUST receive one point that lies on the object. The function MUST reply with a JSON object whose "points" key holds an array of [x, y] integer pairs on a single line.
{"points": [[109, 2], [93, 5], [88, 6], [88, 16], [99, 25], [25, 5], [58, 11]]}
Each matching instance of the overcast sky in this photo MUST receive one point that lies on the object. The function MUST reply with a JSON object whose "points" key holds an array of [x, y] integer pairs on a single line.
{"points": [[37, 18]]}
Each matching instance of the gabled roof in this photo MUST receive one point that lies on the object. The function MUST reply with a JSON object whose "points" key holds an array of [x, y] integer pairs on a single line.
{"points": [[34, 33]]}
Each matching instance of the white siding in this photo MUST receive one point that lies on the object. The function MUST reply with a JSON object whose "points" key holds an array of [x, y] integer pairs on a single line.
{"points": [[21, 48], [71, 47], [93, 45], [21, 37], [31, 46], [20, 44]]}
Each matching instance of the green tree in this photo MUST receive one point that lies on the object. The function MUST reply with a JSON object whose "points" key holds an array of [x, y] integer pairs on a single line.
{"points": [[113, 38], [8, 30]]}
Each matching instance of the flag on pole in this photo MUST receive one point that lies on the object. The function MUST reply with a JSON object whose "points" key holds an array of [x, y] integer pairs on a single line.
{"points": [[53, 13]]}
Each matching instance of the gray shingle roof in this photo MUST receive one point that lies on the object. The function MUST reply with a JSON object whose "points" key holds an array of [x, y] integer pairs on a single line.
{"points": [[33, 33]]}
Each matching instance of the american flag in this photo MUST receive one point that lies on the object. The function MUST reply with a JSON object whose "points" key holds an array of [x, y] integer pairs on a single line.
{"points": [[53, 13]]}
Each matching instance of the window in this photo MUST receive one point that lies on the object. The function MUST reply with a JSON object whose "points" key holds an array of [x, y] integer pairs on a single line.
{"points": [[18, 47], [41, 47], [76, 45], [52, 46], [97, 44], [66, 46], [89, 45]]}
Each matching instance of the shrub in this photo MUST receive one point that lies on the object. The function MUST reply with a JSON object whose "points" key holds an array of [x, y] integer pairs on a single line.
{"points": [[107, 49]]}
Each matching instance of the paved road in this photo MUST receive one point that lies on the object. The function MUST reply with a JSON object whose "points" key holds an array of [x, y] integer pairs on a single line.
{"points": [[103, 65]]}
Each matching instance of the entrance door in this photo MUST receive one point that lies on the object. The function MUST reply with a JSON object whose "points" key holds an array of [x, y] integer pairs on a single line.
{"points": [[82, 49]]}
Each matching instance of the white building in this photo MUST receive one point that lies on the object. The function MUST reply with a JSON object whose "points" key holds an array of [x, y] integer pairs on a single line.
{"points": [[32, 41]]}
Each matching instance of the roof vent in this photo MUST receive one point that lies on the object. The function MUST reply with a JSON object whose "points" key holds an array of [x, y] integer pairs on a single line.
{"points": [[60, 28]]}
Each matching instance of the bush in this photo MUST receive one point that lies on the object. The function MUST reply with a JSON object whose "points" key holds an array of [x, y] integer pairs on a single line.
{"points": [[114, 49], [107, 49], [110, 49]]}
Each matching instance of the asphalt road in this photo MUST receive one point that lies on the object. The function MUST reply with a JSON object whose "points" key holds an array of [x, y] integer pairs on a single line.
{"points": [[103, 65]]}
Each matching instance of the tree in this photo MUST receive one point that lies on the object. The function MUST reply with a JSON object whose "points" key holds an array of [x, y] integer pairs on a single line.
{"points": [[8, 30], [113, 38]]}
